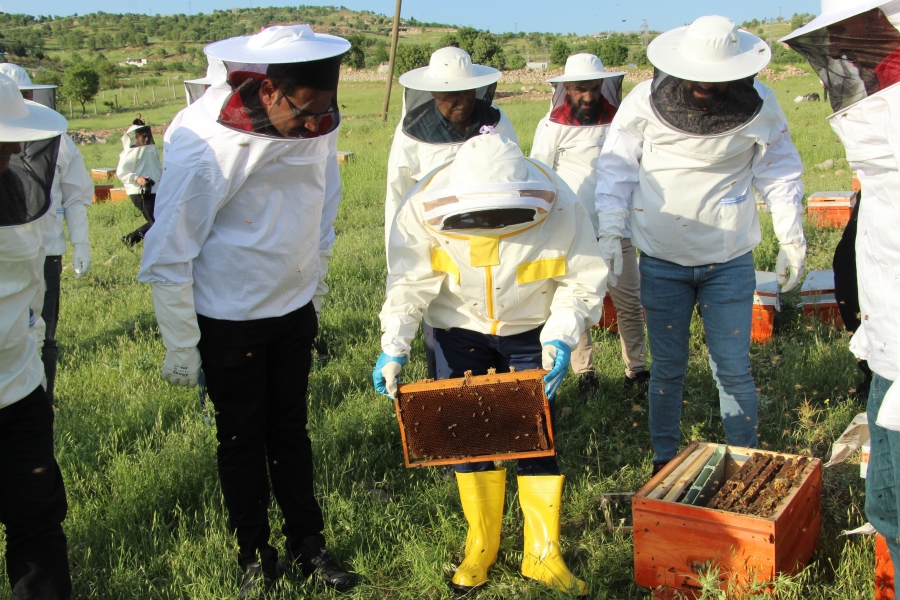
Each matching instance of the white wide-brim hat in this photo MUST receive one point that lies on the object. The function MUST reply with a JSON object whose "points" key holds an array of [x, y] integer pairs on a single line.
{"points": [[584, 67], [25, 121], [279, 45], [711, 49], [834, 11], [450, 70], [20, 76]]}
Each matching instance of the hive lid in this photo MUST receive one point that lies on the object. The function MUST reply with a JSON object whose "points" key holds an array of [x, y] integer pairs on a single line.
{"points": [[833, 199], [818, 282]]}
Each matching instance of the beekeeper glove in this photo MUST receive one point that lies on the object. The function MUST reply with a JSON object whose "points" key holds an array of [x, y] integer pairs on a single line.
{"points": [[555, 357], [609, 233], [177, 319], [788, 224], [76, 221], [386, 374]]}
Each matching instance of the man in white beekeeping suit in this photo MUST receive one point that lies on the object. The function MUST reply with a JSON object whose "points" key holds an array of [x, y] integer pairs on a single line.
{"points": [[237, 260], [854, 47], [495, 250], [444, 104], [32, 493], [684, 154], [569, 139], [72, 193]]}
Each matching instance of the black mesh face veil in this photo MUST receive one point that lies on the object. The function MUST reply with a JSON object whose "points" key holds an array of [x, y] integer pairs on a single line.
{"points": [[25, 185], [854, 58], [45, 96], [424, 122], [726, 108]]}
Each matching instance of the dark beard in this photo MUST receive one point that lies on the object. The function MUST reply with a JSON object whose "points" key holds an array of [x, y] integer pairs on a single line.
{"points": [[738, 105], [585, 115]]}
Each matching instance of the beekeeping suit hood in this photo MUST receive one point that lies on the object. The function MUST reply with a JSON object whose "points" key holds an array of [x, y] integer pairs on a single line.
{"points": [[854, 48], [492, 189], [216, 74], [42, 94], [137, 160], [710, 50], [24, 198], [276, 54]]}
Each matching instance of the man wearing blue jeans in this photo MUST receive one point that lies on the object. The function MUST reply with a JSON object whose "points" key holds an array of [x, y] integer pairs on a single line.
{"points": [[684, 154]]}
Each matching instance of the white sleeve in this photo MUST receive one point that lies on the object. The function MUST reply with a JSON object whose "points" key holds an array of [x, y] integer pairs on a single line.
{"points": [[544, 146], [777, 170], [401, 162], [126, 169], [411, 282], [618, 169], [77, 191], [578, 297], [187, 201], [333, 192]]}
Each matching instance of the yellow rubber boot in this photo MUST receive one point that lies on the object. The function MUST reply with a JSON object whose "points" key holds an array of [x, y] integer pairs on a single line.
{"points": [[540, 497], [482, 495]]}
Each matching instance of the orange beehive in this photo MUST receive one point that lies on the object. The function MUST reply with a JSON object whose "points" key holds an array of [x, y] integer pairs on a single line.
{"points": [[884, 570], [675, 543], [474, 419], [103, 174], [101, 193], [831, 209], [817, 297], [116, 194], [766, 300]]}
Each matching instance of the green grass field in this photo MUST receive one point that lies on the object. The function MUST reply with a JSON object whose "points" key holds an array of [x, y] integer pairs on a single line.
{"points": [[146, 518]]}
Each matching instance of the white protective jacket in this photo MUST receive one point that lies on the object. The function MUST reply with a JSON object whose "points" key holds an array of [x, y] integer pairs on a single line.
{"points": [[691, 197], [411, 159], [870, 131], [72, 192], [548, 274], [246, 218], [21, 297], [572, 151], [140, 161]]}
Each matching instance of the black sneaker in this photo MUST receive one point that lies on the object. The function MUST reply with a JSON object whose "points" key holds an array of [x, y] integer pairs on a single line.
{"points": [[257, 582], [132, 239], [318, 562], [588, 384], [640, 380], [659, 466]]}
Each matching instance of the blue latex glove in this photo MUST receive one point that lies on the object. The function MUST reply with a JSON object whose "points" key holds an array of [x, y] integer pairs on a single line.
{"points": [[555, 357], [385, 375]]}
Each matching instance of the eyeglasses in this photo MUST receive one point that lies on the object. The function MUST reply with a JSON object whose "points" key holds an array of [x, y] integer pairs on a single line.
{"points": [[304, 115]]}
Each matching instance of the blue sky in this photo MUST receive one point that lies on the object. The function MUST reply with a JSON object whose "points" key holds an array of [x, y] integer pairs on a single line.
{"points": [[559, 16]]}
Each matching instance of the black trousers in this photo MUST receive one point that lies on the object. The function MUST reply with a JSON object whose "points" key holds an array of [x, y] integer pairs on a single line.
{"points": [[846, 289], [33, 501], [144, 204], [257, 374], [50, 314], [460, 350]]}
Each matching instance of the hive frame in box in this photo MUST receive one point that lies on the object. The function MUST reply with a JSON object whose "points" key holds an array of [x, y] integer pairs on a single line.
{"points": [[675, 543], [531, 378]]}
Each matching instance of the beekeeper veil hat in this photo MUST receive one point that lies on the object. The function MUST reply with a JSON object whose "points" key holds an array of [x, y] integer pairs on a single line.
{"points": [[588, 70], [854, 48], [215, 75], [286, 56], [449, 70], [489, 189], [42, 94], [26, 180]]}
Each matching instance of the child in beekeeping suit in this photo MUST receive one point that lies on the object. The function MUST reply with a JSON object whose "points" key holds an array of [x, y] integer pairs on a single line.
{"points": [[499, 255]]}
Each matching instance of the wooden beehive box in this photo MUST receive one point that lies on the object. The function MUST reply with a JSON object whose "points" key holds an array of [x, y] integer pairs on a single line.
{"points": [[884, 570], [831, 209], [817, 297], [766, 300], [101, 193], [117, 194], [501, 416], [608, 318], [344, 156], [675, 543], [103, 174]]}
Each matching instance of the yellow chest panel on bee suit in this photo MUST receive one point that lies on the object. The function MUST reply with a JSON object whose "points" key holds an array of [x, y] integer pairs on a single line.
{"points": [[870, 131], [694, 203]]}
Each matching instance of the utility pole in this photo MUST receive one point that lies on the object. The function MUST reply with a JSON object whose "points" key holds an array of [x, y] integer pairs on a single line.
{"points": [[395, 35], [646, 29], [516, 28]]}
